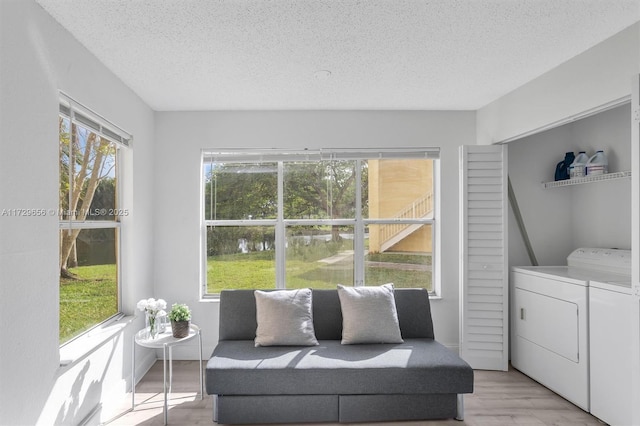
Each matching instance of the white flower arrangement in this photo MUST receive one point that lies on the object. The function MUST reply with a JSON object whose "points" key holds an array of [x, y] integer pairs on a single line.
{"points": [[153, 306]]}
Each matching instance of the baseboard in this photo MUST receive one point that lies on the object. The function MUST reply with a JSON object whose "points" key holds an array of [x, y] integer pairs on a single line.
{"points": [[93, 418]]}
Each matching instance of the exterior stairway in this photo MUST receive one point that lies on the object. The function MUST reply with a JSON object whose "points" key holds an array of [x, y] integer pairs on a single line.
{"points": [[392, 233]]}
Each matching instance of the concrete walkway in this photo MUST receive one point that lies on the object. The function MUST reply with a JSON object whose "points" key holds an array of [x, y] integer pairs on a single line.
{"points": [[347, 255]]}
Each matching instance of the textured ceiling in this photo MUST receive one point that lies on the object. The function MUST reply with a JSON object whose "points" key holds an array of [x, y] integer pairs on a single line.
{"points": [[379, 54]]}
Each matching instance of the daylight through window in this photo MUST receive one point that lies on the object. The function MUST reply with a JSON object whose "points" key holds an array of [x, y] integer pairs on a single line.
{"points": [[89, 211], [318, 219]]}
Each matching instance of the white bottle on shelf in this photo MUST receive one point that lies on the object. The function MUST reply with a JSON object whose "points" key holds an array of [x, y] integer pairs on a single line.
{"points": [[598, 164], [577, 169]]}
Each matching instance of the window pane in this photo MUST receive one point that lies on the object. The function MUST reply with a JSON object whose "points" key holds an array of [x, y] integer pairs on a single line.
{"points": [[240, 257], [237, 191], [319, 256], [319, 190], [324, 193], [90, 192], [404, 260], [397, 189], [89, 292]]}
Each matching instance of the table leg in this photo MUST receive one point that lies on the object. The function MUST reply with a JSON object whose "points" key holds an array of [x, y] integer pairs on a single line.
{"points": [[164, 377], [170, 368], [200, 361], [133, 372]]}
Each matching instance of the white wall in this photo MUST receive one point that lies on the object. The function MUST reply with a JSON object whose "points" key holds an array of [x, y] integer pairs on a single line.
{"points": [[38, 59], [182, 135], [596, 77], [559, 220]]}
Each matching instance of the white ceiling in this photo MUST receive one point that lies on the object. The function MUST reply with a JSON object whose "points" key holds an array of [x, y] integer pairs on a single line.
{"points": [[381, 54]]}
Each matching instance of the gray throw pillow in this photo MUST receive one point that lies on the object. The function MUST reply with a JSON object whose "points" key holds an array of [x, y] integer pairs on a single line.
{"points": [[284, 318], [369, 315]]}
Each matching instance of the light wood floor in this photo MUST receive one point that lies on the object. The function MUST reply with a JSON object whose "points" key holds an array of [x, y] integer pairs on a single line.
{"points": [[500, 399]]}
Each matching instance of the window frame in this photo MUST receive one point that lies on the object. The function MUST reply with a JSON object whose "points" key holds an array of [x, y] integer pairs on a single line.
{"points": [[359, 223], [82, 116]]}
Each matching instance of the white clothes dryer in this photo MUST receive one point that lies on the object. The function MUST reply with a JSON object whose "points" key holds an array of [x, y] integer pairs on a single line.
{"points": [[550, 318]]}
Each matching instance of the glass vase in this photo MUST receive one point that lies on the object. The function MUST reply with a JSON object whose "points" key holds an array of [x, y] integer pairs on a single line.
{"points": [[151, 324]]}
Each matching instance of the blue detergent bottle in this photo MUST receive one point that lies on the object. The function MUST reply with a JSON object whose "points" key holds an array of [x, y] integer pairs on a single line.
{"points": [[562, 168]]}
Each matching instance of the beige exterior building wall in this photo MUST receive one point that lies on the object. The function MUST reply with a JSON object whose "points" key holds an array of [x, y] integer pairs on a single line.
{"points": [[405, 184]]}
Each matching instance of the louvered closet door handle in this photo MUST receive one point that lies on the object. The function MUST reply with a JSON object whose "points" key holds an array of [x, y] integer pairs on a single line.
{"points": [[522, 313]]}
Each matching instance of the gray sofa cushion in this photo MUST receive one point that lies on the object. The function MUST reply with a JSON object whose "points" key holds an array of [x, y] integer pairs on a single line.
{"points": [[327, 315], [413, 367], [369, 315], [284, 318], [238, 314]]}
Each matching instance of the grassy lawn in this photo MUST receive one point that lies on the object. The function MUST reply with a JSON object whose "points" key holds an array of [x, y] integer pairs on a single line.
{"points": [[94, 296], [257, 271], [399, 258], [87, 301], [252, 270]]}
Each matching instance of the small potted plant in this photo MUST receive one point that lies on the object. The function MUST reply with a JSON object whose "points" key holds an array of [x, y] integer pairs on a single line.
{"points": [[180, 315]]}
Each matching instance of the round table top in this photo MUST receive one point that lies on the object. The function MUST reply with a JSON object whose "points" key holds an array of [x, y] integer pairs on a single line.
{"points": [[142, 337]]}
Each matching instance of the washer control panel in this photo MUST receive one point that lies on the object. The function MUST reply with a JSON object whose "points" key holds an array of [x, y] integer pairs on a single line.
{"points": [[606, 259]]}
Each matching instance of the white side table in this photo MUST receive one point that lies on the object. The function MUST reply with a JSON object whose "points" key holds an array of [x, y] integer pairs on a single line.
{"points": [[163, 341]]}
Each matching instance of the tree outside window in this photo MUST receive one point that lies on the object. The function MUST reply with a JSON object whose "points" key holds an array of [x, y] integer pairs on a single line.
{"points": [[89, 227], [317, 223]]}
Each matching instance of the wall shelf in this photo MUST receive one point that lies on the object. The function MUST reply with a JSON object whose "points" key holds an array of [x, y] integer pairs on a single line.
{"points": [[587, 179]]}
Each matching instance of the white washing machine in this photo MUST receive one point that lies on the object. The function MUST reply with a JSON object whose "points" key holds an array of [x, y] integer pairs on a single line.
{"points": [[612, 309], [550, 318]]}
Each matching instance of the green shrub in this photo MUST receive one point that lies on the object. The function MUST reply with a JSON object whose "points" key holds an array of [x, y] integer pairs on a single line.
{"points": [[179, 312]]}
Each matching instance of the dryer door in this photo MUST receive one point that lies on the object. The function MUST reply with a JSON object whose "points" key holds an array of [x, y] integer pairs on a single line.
{"points": [[548, 322]]}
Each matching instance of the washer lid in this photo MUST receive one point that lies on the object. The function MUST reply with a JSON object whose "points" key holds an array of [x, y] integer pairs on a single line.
{"points": [[603, 259], [623, 287]]}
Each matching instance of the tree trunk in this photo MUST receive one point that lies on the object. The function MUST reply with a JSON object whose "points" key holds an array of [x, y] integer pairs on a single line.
{"points": [[73, 258], [98, 146], [335, 233]]}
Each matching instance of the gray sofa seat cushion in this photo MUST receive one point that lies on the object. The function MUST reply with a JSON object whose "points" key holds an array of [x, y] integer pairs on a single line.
{"points": [[417, 366]]}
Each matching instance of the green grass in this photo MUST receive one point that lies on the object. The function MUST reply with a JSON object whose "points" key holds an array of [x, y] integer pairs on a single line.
{"points": [[88, 300], [94, 296], [399, 278], [418, 259], [390, 270], [257, 271], [252, 270]]}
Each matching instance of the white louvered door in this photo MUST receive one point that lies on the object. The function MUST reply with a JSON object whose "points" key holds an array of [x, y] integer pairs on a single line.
{"points": [[484, 277]]}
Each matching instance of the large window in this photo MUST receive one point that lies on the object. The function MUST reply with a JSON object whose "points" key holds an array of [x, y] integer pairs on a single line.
{"points": [[89, 212], [317, 219]]}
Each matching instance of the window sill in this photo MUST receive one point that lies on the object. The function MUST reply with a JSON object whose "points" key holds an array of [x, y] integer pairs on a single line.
{"points": [[216, 299], [83, 346]]}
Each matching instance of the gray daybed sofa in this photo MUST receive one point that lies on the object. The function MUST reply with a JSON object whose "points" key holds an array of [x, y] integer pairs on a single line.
{"points": [[415, 380]]}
